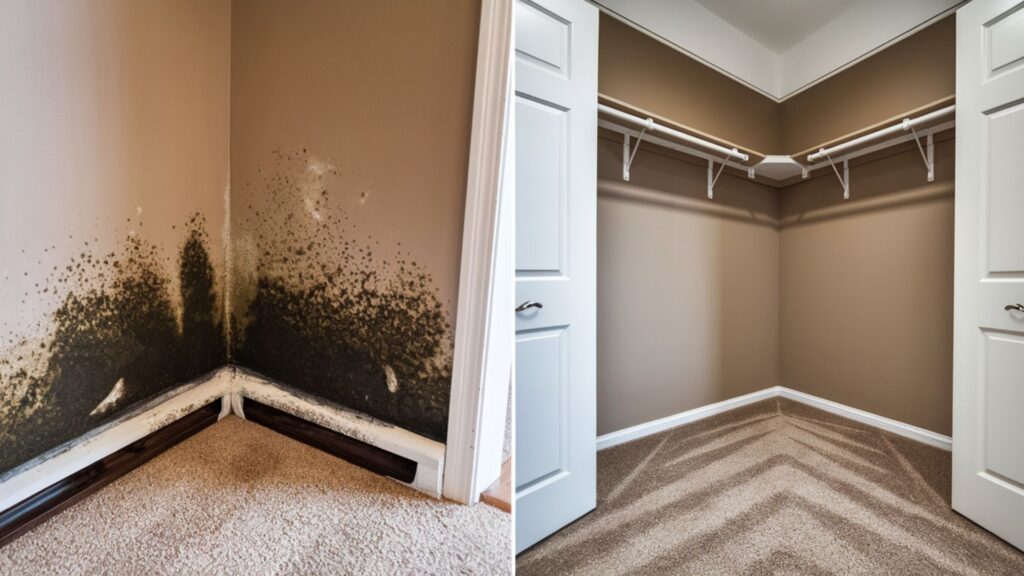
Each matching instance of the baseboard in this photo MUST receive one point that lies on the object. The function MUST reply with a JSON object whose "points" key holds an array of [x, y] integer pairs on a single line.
{"points": [[426, 453], [881, 422], [32, 511], [70, 458], [888, 424], [661, 424], [359, 453]]}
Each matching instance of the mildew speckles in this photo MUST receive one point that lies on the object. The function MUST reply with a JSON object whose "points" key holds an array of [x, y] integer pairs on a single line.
{"points": [[124, 331], [319, 307]]}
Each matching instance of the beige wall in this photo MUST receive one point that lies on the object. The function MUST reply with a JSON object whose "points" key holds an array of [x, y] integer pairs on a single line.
{"points": [[350, 135], [687, 299], [647, 74], [912, 73], [113, 134], [867, 288]]}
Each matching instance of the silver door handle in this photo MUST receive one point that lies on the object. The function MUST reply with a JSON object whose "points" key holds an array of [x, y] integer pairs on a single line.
{"points": [[527, 305], [1017, 307]]}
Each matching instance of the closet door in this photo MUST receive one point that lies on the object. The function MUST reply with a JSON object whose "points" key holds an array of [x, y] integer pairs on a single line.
{"points": [[988, 346], [556, 221]]}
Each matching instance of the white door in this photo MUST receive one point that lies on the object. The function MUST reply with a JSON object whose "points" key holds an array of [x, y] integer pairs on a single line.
{"points": [[556, 222], [988, 342]]}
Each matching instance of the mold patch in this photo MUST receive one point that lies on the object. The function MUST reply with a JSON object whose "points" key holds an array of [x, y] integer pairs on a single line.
{"points": [[319, 306], [124, 332]]}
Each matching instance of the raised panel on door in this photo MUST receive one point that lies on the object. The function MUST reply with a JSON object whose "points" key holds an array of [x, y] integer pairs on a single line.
{"points": [[542, 391], [1004, 194], [542, 38], [541, 132], [1003, 404]]}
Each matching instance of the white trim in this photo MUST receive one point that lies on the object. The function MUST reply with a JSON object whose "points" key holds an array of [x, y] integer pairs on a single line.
{"points": [[888, 424], [428, 454], [662, 424], [229, 385], [474, 335], [81, 452]]}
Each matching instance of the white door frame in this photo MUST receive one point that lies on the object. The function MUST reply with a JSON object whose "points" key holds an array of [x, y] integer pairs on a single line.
{"points": [[484, 342]]}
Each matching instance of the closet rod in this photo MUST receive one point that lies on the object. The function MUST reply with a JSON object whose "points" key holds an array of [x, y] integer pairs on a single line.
{"points": [[652, 126], [903, 126]]}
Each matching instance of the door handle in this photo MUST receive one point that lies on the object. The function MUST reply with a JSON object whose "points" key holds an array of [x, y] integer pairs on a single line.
{"points": [[1017, 307], [527, 305]]}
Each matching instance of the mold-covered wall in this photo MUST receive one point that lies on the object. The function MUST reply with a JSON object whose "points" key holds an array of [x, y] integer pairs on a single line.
{"points": [[113, 174], [349, 144]]}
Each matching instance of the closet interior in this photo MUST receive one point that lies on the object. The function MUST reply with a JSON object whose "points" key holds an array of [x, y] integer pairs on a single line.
{"points": [[805, 243]]}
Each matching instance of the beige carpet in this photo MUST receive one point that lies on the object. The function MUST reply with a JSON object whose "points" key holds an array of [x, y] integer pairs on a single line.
{"points": [[773, 488], [238, 498]]}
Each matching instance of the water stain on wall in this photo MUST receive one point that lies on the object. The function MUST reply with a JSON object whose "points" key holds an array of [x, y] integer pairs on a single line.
{"points": [[318, 306], [125, 331]]}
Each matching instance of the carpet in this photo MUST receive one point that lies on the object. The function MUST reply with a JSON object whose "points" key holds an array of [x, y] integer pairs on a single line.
{"points": [[238, 498], [776, 487]]}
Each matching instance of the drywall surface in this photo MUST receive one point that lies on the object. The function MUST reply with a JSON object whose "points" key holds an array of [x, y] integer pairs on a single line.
{"points": [[687, 299], [867, 288], [113, 170], [645, 73], [914, 72], [349, 147]]}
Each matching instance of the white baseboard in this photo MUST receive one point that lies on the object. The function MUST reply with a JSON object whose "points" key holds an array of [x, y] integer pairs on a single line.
{"points": [[229, 385], [661, 424], [888, 424], [81, 452], [881, 422], [428, 454]]}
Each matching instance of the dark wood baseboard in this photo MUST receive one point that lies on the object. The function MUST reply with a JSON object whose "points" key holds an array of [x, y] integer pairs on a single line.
{"points": [[59, 496], [355, 451]]}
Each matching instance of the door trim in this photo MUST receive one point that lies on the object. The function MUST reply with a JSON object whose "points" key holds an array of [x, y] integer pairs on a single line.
{"points": [[475, 426]]}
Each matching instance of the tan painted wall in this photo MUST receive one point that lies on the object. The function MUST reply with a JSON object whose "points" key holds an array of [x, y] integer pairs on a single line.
{"points": [[391, 112], [914, 72], [645, 73], [867, 289], [114, 128], [687, 300], [350, 136]]}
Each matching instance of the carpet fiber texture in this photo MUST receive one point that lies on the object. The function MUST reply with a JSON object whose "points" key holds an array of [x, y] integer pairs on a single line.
{"points": [[773, 488], [238, 498]]}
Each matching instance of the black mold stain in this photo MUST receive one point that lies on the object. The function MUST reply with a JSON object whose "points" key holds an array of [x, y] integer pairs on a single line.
{"points": [[328, 316], [117, 322]]}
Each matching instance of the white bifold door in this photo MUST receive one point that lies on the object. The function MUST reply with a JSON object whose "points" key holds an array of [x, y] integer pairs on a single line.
{"points": [[988, 343], [556, 221]]}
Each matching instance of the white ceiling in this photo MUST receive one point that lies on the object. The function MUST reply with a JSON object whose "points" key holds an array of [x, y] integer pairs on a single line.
{"points": [[778, 25], [778, 47]]}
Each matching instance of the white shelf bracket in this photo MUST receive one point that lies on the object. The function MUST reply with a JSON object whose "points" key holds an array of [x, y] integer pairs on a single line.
{"points": [[844, 179], [929, 156], [713, 177], [750, 172], [627, 154]]}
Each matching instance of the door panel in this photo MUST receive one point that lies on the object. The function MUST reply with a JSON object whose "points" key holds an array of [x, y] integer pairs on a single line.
{"points": [[540, 210], [1004, 400], [540, 367], [556, 222], [988, 333], [1004, 143]]}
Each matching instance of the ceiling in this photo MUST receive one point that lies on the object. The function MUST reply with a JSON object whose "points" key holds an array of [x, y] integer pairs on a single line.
{"points": [[777, 24], [778, 47]]}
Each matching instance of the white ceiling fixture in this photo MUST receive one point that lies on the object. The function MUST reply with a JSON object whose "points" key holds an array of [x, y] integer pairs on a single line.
{"points": [[778, 47]]}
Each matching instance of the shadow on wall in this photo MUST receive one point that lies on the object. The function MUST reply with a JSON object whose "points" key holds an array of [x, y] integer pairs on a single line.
{"points": [[317, 309], [123, 333]]}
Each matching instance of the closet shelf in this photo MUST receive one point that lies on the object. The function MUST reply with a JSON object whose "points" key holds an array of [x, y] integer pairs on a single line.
{"points": [[776, 168]]}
